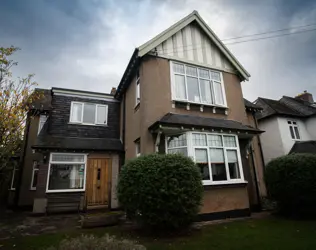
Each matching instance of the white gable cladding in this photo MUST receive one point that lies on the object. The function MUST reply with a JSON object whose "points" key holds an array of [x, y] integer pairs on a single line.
{"points": [[191, 44]]}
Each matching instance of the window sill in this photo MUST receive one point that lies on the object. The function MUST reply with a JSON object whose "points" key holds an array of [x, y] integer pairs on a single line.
{"points": [[32, 189], [222, 184], [201, 104], [65, 191], [87, 124]]}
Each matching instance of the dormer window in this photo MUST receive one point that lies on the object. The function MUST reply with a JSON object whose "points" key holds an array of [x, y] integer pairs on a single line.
{"points": [[88, 113], [294, 131], [197, 85]]}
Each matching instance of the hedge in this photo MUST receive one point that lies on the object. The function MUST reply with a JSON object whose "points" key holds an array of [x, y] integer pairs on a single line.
{"points": [[161, 191]]}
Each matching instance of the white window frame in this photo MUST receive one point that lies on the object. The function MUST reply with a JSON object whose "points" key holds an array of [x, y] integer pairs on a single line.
{"points": [[62, 163], [42, 120], [35, 168], [137, 147], [290, 124], [173, 87], [96, 114], [137, 90], [191, 153], [15, 169]]}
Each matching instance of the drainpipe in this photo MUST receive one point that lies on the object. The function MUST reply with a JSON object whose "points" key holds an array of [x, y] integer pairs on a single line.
{"points": [[259, 143], [256, 177]]}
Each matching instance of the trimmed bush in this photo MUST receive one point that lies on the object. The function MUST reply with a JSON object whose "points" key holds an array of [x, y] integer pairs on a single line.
{"points": [[291, 182], [87, 242], [161, 191]]}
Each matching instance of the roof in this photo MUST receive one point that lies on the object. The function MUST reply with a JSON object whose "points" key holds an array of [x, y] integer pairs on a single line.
{"points": [[75, 143], [202, 122], [153, 43], [250, 105], [299, 105], [274, 107], [43, 103], [304, 147]]}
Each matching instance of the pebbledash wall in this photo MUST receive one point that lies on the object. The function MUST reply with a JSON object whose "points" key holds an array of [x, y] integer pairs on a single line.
{"points": [[156, 101]]}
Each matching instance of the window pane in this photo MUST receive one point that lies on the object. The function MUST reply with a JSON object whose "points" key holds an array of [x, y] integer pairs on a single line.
{"points": [[204, 73], [178, 151], [217, 155], [15, 178], [101, 115], [191, 71], [42, 121], [180, 87], [202, 163], [214, 140], [76, 112], [218, 93], [232, 156], [89, 113], [66, 176], [199, 139], [292, 132], [206, 91], [177, 141], [178, 68], [289, 122], [193, 89], [68, 158], [215, 76], [234, 170], [219, 172], [229, 141], [201, 155], [297, 133], [34, 183]]}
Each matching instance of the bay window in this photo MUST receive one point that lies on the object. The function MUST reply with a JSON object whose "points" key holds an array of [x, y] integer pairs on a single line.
{"points": [[216, 155], [66, 172], [88, 113], [197, 85]]}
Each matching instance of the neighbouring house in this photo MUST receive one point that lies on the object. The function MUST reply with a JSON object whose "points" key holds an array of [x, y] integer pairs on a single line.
{"points": [[73, 152], [181, 93], [290, 125]]}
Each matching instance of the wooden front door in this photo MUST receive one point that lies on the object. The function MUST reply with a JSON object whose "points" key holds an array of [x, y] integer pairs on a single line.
{"points": [[98, 182]]}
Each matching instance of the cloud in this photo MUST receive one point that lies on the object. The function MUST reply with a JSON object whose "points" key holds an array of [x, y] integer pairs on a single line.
{"points": [[87, 44]]}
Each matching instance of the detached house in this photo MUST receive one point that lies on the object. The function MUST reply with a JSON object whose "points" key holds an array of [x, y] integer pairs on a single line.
{"points": [[290, 125], [180, 93]]}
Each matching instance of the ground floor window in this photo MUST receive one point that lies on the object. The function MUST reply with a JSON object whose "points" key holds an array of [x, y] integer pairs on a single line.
{"points": [[34, 175], [216, 155], [66, 172], [14, 178]]}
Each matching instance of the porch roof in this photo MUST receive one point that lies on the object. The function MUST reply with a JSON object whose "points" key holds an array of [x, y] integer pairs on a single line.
{"points": [[75, 143], [191, 121]]}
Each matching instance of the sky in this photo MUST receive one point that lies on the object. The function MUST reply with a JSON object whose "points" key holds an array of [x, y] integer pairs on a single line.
{"points": [[86, 44]]}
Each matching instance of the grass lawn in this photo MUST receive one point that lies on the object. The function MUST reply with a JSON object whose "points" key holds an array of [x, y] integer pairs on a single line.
{"points": [[268, 234]]}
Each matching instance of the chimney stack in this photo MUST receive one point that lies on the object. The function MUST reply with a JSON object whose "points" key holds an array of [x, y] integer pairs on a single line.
{"points": [[306, 96], [113, 91]]}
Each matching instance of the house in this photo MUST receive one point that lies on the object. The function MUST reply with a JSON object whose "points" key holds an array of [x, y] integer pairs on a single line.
{"points": [[290, 125], [181, 93], [73, 152]]}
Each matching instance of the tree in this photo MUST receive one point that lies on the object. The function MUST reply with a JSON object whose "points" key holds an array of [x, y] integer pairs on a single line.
{"points": [[16, 95]]}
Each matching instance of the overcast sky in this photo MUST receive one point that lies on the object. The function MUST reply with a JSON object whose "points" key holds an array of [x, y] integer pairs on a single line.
{"points": [[86, 44]]}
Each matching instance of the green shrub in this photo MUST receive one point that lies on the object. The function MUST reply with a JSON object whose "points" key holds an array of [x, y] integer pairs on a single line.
{"points": [[291, 182], [161, 191], [87, 242]]}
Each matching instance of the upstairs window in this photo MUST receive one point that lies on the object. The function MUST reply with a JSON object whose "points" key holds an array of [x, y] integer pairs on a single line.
{"points": [[137, 88], [88, 113], [295, 134], [137, 146], [41, 123], [197, 85]]}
